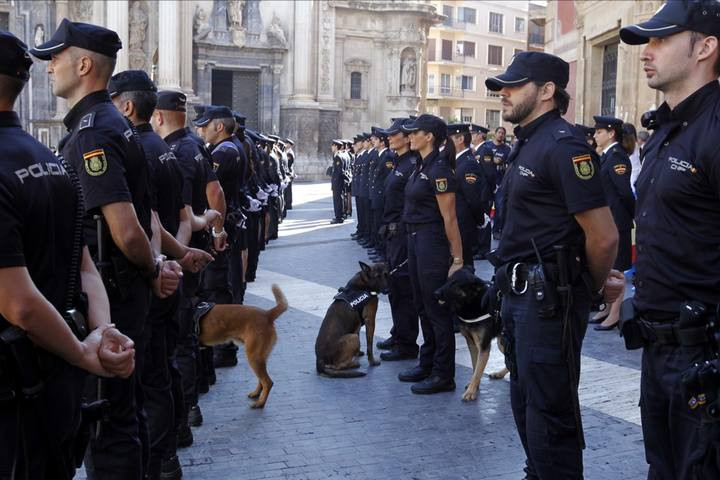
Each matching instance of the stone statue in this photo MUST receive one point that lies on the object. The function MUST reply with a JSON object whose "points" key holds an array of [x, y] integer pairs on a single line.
{"points": [[408, 73], [39, 34], [275, 33], [138, 29], [235, 14], [200, 24], [81, 11], [220, 21]]}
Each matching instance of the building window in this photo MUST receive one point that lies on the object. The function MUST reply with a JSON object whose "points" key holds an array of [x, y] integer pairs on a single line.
{"points": [[465, 49], [519, 24], [491, 94], [496, 22], [492, 118], [466, 115], [444, 84], [447, 50], [609, 80], [467, 15], [431, 83], [355, 85], [4, 21], [495, 55], [448, 12], [431, 49], [536, 35], [467, 82]]}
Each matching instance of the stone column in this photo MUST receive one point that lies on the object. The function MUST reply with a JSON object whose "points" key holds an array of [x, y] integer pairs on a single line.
{"points": [[118, 20], [186, 47], [169, 60], [302, 42], [62, 10], [326, 53]]}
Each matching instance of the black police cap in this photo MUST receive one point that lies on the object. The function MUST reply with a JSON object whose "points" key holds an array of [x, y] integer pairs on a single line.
{"points": [[396, 127], [199, 110], [130, 81], [377, 132], [457, 128], [170, 100], [16, 61], [427, 123], [474, 128], [676, 16], [532, 66], [239, 119], [607, 122], [358, 138], [585, 130], [213, 112], [82, 35]]}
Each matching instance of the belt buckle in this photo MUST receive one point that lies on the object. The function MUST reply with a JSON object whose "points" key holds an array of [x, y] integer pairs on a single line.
{"points": [[514, 280]]}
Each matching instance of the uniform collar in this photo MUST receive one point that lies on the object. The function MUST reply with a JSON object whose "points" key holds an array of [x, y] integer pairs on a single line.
{"points": [[144, 127], [9, 119], [523, 133], [177, 135], [458, 155], [689, 108], [606, 150], [432, 156], [83, 106]]}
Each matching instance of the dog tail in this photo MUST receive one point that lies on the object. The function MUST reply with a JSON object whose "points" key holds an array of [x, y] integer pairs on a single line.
{"points": [[281, 303], [326, 371]]}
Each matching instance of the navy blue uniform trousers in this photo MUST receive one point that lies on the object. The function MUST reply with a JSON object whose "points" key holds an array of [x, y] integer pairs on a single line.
{"points": [[677, 444], [428, 263], [540, 390], [405, 327]]}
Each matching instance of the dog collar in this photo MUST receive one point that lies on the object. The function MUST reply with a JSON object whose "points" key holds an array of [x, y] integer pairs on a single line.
{"points": [[475, 320]]}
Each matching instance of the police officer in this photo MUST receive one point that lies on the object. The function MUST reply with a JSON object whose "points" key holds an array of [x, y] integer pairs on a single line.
{"points": [[434, 250], [291, 173], [361, 182], [39, 282], [478, 135], [336, 180], [200, 190], [678, 224], [471, 200], [484, 156], [103, 148], [384, 164], [557, 228], [500, 152], [615, 170], [358, 151], [404, 332]]}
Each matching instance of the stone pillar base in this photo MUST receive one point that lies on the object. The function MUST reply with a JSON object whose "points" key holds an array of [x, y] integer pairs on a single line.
{"points": [[302, 125]]}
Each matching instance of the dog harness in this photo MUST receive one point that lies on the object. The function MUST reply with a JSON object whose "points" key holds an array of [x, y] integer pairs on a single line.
{"points": [[357, 299], [201, 310]]}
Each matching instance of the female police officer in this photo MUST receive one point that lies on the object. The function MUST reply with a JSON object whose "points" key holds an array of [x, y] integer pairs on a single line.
{"points": [[433, 246]]}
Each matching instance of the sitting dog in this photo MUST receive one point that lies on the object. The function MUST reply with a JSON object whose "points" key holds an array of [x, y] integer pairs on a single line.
{"points": [[338, 342], [475, 303], [251, 326]]}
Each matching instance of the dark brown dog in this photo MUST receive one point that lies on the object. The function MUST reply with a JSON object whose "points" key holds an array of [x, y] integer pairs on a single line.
{"points": [[338, 342], [251, 326]]}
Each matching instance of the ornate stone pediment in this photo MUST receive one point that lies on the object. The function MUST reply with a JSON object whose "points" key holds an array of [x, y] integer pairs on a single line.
{"points": [[357, 65]]}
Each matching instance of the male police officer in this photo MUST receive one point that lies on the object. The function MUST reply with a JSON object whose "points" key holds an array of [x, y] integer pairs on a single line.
{"points": [[39, 282], [678, 226], [558, 227], [103, 149], [336, 180]]}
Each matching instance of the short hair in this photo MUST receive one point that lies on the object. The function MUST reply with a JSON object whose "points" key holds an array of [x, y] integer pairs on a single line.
{"points": [[500, 128], [228, 123], [105, 65], [144, 102], [696, 37], [560, 97], [10, 87], [643, 135]]}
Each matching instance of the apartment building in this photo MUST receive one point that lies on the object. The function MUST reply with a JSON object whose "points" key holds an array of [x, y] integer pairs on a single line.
{"points": [[476, 40]]}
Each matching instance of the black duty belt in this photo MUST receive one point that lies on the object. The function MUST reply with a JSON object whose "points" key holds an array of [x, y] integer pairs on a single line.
{"points": [[416, 227], [670, 333]]}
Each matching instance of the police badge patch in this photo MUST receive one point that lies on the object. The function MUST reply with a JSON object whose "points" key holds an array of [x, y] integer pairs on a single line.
{"points": [[441, 184], [620, 169], [584, 167], [388, 164], [95, 162], [470, 178]]}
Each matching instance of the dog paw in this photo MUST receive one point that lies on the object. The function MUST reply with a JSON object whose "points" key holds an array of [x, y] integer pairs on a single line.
{"points": [[469, 396], [254, 395], [375, 363], [257, 405]]}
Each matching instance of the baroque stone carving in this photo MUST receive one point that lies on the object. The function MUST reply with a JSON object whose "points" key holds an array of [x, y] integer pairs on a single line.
{"points": [[325, 47], [219, 21], [138, 32], [408, 71], [275, 33], [201, 28], [39, 34], [81, 11], [236, 9]]}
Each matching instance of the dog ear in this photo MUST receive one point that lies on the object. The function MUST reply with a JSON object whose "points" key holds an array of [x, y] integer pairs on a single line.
{"points": [[365, 267]]}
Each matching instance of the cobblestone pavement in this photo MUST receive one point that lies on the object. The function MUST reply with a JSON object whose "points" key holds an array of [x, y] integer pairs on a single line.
{"points": [[373, 427]]}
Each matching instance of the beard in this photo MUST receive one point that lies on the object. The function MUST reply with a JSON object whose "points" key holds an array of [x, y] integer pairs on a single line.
{"points": [[520, 111]]}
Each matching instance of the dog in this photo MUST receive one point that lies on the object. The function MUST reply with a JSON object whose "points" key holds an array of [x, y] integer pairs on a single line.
{"points": [[338, 342], [475, 303], [251, 326]]}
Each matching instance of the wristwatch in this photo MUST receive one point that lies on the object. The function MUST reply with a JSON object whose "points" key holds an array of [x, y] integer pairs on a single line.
{"points": [[218, 234], [457, 261], [155, 273]]}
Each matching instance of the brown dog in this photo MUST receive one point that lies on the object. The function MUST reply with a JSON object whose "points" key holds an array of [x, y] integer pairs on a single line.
{"points": [[251, 326], [338, 342]]}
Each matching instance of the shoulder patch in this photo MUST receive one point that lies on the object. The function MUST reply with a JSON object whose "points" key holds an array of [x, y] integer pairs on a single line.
{"points": [[441, 184], [95, 162], [199, 157], [620, 169], [87, 121], [562, 133], [128, 134], [470, 178], [583, 166], [388, 164], [487, 158]]}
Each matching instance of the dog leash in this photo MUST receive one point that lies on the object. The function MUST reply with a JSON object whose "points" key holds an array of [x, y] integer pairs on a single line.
{"points": [[394, 270]]}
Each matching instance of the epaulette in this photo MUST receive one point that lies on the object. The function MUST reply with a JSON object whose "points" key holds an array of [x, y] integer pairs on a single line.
{"points": [[87, 121], [562, 133]]}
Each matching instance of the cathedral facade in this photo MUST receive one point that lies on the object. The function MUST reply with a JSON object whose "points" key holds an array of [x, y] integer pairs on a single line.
{"points": [[311, 70]]}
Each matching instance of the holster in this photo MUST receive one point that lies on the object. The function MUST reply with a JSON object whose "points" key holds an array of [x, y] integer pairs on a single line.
{"points": [[629, 326]]}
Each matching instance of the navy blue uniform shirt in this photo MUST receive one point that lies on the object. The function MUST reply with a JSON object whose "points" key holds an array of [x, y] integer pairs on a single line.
{"points": [[615, 169], [678, 206], [494, 160], [474, 192], [362, 174], [553, 176], [106, 153], [226, 164], [37, 211], [338, 169], [432, 176], [383, 167], [395, 187], [165, 178]]}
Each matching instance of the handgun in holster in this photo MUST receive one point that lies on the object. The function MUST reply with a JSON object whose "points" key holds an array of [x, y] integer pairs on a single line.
{"points": [[630, 327]]}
